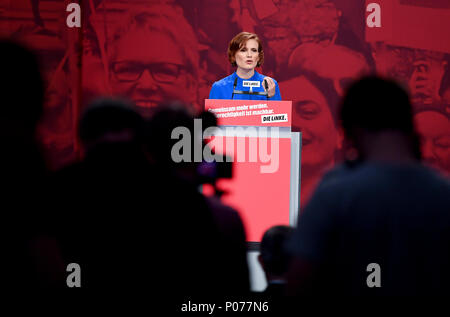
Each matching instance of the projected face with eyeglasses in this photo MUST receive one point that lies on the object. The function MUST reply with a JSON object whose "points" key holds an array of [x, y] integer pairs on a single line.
{"points": [[149, 68]]}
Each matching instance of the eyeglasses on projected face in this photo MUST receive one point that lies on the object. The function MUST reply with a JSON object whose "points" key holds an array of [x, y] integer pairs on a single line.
{"points": [[126, 71]]}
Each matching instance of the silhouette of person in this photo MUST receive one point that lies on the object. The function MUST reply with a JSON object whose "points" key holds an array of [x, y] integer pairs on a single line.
{"points": [[56, 131], [275, 258], [139, 223], [228, 252], [388, 210], [31, 257], [106, 190]]}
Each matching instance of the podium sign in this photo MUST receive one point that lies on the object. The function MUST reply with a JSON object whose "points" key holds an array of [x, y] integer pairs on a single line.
{"points": [[251, 112], [265, 187]]}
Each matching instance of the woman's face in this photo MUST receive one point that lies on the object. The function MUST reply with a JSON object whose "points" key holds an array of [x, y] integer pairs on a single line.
{"points": [[311, 114], [247, 56], [434, 131]]}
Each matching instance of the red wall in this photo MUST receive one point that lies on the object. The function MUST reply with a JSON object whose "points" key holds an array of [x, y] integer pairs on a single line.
{"points": [[313, 48]]}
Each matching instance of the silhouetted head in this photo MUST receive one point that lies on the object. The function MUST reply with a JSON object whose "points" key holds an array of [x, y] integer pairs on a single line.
{"points": [[173, 135], [22, 91], [274, 257], [109, 122], [166, 118], [373, 106]]}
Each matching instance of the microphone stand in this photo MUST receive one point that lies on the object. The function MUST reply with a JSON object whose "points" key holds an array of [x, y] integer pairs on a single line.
{"points": [[234, 88], [257, 93]]}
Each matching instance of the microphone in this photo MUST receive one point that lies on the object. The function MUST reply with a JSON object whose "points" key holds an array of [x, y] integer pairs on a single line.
{"points": [[267, 88], [234, 87], [251, 84]]}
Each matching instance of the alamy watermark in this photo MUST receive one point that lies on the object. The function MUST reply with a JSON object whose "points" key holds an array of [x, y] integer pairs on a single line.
{"points": [[374, 278], [74, 277], [258, 147]]}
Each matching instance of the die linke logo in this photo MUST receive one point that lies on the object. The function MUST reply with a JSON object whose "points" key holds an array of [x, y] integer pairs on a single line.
{"points": [[251, 83], [274, 118]]}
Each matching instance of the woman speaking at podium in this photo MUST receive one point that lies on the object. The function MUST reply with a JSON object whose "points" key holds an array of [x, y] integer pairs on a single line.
{"points": [[245, 52]]}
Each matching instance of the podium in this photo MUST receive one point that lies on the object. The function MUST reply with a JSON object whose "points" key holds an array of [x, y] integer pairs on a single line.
{"points": [[266, 156]]}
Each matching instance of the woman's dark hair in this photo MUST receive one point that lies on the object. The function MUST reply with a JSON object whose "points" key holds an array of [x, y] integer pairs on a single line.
{"points": [[375, 104]]}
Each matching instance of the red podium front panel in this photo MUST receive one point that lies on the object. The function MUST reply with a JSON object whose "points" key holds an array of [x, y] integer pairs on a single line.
{"points": [[262, 199], [265, 192]]}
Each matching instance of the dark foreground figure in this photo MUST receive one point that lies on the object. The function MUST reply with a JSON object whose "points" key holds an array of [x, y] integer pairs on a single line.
{"points": [[385, 209]]}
